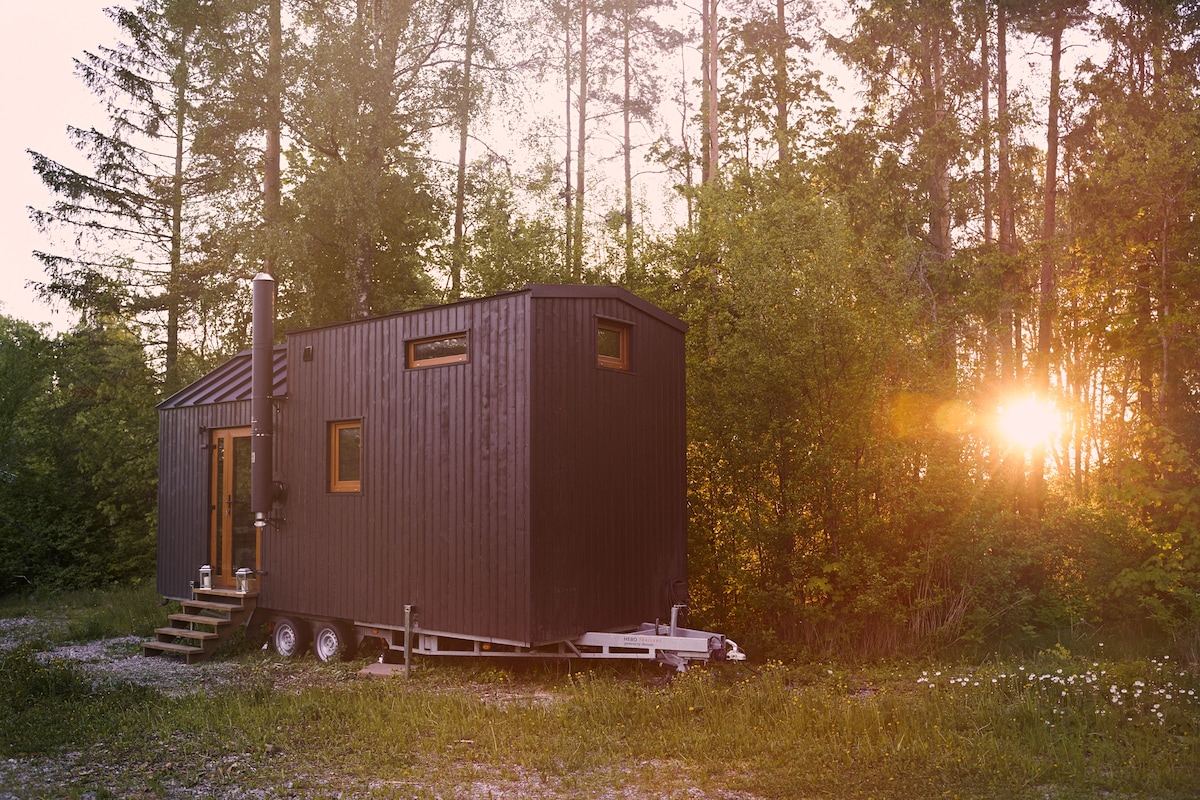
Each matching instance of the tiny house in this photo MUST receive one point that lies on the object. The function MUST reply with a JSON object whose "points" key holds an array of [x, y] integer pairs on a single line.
{"points": [[503, 475]]}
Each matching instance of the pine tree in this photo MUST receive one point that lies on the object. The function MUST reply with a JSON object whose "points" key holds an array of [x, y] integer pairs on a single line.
{"points": [[134, 236]]}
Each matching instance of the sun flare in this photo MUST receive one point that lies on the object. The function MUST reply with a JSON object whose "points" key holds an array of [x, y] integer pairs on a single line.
{"points": [[1027, 422]]}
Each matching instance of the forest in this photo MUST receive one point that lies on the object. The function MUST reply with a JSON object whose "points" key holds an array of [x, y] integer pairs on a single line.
{"points": [[940, 260]]}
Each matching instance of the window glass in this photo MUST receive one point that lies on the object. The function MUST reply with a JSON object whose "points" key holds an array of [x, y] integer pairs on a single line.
{"points": [[345, 457], [608, 342], [440, 350], [612, 344]]}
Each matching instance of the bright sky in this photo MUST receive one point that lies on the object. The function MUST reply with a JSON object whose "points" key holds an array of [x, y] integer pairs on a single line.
{"points": [[40, 95]]}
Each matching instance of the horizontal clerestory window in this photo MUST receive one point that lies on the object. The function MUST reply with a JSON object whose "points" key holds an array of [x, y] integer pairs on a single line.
{"points": [[431, 352]]}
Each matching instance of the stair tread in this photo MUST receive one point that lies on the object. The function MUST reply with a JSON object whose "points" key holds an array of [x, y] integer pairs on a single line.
{"points": [[198, 618], [187, 633], [172, 647], [222, 593], [234, 605], [209, 605]]}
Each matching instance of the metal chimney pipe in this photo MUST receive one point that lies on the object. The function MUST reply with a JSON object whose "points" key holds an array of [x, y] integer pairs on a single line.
{"points": [[262, 422]]}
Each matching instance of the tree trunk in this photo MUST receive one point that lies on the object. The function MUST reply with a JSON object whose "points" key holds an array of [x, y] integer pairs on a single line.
{"points": [[383, 23], [568, 202], [174, 278], [1046, 282], [360, 275], [709, 150], [782, 134], [985, 110], [627, 140], [577, 267], [938, 193], [1009, 364], [271, 166], [939, 173], [688, 172], [458, 255]]}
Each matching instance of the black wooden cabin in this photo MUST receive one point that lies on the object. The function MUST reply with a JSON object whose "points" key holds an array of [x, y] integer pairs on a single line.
{"points": [[512, 466]]}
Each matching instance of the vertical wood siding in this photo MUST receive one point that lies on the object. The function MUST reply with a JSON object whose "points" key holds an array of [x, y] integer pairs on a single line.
{"points": [[609, 516], [184, 464], [525, 495], [441, 521]]}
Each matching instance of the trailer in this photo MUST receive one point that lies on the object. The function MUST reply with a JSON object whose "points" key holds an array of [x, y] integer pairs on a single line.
{"points": [[501, 476]]}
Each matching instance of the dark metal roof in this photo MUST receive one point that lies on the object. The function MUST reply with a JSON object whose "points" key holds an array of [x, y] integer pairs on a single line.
{"points": [[230, 382]]}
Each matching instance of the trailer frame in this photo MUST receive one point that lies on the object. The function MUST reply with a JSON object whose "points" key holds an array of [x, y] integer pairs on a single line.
{"points": [[672, 645]]}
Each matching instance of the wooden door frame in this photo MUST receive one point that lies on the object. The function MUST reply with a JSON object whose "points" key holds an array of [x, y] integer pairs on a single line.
{"points": [[223, 578]]}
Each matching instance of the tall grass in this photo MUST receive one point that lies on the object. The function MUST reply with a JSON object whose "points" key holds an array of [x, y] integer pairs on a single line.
{"points": [[1054, 725], [998, 731], [86, 615]]}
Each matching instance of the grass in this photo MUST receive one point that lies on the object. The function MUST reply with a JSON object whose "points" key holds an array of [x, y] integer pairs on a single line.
{"points": [[48, 703], [88, 615], [1056, 725]]}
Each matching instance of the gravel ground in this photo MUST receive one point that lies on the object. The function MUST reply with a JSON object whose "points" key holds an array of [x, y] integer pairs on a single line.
{"points": [[14, 630], [121, 659]]}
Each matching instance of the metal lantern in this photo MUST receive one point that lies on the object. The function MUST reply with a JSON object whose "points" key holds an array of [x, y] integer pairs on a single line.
{"points": [[242, 576], [206, 577]]}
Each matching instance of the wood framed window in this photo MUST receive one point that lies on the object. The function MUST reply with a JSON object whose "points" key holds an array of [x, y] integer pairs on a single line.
{"points": [[345, 456], [612, 344], [435, 350]]}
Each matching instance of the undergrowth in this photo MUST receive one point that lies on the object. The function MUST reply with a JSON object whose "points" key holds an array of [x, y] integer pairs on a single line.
{"points": [[996, 731], [1055, 724]]}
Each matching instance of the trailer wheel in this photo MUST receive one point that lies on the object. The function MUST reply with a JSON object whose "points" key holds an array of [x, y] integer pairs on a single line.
{"points": [[332, 641], [289, 637]]}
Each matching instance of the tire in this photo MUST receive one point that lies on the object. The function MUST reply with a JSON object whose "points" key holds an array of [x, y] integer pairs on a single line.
{"points": [[332, 641], [289, 637]]}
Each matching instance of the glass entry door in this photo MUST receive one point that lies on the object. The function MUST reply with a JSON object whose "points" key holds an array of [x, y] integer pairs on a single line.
{"points": [[233, 539]]}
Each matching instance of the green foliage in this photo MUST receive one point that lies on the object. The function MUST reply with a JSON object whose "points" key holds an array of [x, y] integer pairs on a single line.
{"points": [[1161, 492], [134, 218], [507, 248], [854, 322], [362, 218], [320, 281], [811, 445], [79, 503], [23, 368]]}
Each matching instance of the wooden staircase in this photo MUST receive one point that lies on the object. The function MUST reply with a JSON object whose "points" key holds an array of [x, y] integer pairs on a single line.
{"points": [[207, 620]]}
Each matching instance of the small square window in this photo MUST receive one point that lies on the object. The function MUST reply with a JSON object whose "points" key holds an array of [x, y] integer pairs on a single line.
{"points": [[345, 456], [612, 344], [436, 350]]}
